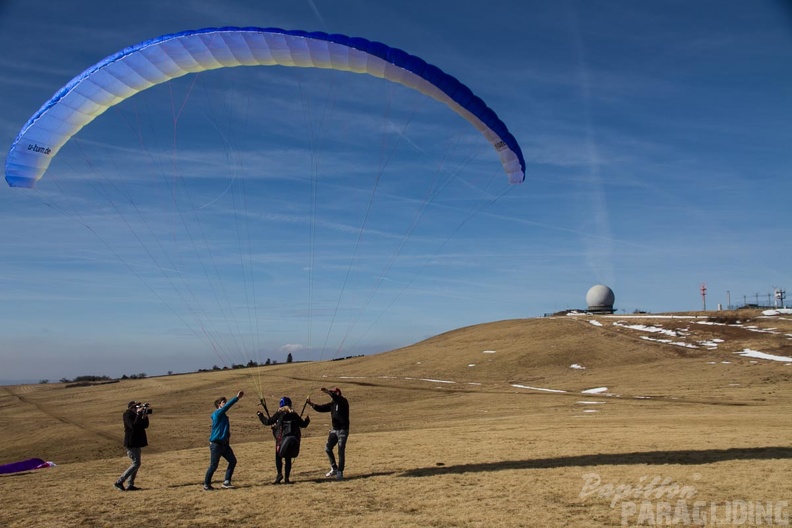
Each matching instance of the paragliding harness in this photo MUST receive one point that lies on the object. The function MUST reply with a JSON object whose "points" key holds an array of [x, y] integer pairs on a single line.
{"points": [[287, 436]]}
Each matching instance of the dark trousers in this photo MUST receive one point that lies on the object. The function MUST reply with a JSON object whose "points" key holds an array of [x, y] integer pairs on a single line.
{"points": [[217, 450], [279, 465]]}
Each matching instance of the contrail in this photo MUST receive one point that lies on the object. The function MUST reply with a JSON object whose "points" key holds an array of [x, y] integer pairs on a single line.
{"points": [[317, 13], [600, 248]]}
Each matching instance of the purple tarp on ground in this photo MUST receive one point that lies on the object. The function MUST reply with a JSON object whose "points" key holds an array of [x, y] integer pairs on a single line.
{"points": [[23, 465]]}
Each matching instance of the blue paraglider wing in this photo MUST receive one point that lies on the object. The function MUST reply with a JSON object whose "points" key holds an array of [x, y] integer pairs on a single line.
{"points": [[161, 59]]}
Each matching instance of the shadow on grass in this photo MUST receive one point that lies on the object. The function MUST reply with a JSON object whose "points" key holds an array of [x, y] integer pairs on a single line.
{"points": [[217, 487], [691, 457], [324, 480], [17, 474]]}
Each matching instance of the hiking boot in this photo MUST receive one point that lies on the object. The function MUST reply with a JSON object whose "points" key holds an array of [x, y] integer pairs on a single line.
{"points": [[278, 479], [119, 486], [208, 487], [331, 473], [227, 485], [339, 475], [287, 481], [132, 487]]}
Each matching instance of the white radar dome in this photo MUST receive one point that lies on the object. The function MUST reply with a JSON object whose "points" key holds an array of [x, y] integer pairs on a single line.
{"points": [[600, 298]]}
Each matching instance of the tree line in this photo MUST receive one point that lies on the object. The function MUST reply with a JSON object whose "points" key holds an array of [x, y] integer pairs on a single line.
{"points": [[86, 379]]}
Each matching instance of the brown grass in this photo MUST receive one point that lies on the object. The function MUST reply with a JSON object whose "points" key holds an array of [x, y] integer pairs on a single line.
{"points": [[478, 452]]}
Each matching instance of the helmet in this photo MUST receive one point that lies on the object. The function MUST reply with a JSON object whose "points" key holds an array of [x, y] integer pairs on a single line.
{"points": [[285, 402]]}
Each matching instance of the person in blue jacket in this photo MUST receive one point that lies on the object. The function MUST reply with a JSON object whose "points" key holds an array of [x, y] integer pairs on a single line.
{"points": [[219, 445]]}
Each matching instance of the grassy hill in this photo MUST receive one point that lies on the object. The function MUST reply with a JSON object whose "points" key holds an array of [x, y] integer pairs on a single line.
{"points": [[485, 425]]}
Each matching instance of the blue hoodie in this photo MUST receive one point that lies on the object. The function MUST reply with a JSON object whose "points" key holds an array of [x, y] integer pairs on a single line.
{"points": [[221, 430]]}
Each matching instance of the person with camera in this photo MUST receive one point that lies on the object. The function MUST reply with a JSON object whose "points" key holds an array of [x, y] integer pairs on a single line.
{"points": [[136, 421], [338, 407], [219, 445], [286, 425]]}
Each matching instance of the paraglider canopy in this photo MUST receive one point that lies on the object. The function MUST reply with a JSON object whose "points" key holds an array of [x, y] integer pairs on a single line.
{"points": [[161, 59]]}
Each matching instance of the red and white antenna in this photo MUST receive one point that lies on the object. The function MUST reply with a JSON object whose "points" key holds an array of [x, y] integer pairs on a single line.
{"points": [[704, 296]]}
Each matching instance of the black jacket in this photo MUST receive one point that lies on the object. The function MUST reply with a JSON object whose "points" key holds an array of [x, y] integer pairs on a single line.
{"points": [[286, 423], [338, 408], [135, 426], [289, 415]]}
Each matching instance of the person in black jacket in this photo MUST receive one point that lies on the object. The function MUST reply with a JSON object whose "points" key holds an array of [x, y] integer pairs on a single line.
{"points": [[338, 408], [136, 421], [286, 424]]}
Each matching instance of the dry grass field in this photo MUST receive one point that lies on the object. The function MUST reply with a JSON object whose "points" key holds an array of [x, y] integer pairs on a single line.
{"points": [[482, 426]]}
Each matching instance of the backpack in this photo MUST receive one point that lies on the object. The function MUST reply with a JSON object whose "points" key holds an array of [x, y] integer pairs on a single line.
{"points": [[287, 436]]}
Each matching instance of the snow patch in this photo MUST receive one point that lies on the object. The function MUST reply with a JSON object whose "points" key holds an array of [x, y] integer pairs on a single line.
{"points": [[597, 390], [668, 342], [778, 311], [537, 388], [761, 355], [652, 329]]}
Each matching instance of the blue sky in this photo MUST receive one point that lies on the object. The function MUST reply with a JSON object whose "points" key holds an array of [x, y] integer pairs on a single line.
{"points": [[656, 137]]}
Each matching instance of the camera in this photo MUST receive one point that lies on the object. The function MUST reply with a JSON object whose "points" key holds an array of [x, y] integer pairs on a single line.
{"points": [[144, 408]]}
